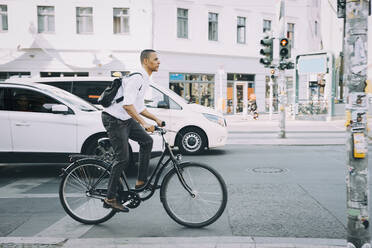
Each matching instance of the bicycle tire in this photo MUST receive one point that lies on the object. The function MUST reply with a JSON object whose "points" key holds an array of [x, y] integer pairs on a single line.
{"points": [[184, 209], [75, 192]]}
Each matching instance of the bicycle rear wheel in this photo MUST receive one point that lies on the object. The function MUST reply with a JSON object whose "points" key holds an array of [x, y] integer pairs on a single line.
{"points": [[82, 190], [210, 195]]}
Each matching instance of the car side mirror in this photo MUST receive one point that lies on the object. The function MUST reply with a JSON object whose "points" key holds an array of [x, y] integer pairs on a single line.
{"points": [[59, 109], [163, 104]]}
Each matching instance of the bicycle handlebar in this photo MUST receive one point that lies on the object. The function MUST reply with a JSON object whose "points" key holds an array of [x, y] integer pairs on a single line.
{"points": [[162, 130]]}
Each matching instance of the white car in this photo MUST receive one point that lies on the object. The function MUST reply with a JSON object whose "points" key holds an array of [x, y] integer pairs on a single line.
{"points": [[41, 123], [196, 127]]}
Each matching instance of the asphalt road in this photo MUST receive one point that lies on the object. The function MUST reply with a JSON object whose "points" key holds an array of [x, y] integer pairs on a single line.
{"points": [[274, 191]]}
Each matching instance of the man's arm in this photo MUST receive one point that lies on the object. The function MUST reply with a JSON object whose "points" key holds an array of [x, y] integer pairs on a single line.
{"points": [[133, 113], [147, 114]]}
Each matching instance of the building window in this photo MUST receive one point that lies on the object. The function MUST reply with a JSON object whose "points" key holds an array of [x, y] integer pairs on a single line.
{"points": [[4, 75], [3, 18], [84, 20], [64, 74], [290, 33], [45, 19], [182, 23], [213, 26], [121, 21], [194, 88], [266, 26], [241, 30]]}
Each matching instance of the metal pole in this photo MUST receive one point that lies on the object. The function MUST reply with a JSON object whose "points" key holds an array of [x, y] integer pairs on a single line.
{"points": [[282, 100], [355, 75], [281, 76], [271, 98]]}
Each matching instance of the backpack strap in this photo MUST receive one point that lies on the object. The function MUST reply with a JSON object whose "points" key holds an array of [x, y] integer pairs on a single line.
{"points": [[129, 75], [134, 73]]}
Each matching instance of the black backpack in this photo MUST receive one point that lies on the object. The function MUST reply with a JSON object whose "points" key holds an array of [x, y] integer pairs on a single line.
{"points": [[106, 99]]}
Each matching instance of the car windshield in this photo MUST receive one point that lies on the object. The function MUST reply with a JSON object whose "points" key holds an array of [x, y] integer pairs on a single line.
{"points": [[69, 98], [171, 94]]}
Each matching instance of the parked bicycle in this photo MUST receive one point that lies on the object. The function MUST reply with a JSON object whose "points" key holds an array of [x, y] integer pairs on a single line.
{"points": [[192, 194]]}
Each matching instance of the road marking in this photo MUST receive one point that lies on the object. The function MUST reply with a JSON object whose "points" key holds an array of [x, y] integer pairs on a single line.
{"points": [[16, 196], [67, 227], [21, 186]]}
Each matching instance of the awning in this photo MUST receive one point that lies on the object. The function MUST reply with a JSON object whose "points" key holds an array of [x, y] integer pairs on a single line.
{"points": [[8, 55], [86, 60]]}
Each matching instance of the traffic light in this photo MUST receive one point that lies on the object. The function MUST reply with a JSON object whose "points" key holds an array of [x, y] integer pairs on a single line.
{"points": [[267, 50], [284, 48]]}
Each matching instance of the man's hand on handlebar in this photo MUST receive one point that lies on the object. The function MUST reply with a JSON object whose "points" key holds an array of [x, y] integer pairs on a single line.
{"points": [[160, 123], [149, 128], [152, 128]]}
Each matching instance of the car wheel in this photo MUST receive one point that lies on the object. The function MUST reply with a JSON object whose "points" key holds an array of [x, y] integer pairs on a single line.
{"points": [[192, 141]]}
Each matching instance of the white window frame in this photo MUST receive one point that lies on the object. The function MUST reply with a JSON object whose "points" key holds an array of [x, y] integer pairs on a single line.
{"points": [[212, 26], [239, 26], [46, 16], [124, 23], [264, 27], [291, 32], [85, 24], [183, 21], [4, 14]]}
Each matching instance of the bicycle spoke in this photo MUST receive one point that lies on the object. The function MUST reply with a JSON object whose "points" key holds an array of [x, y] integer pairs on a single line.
{"points": [[79, 181]]}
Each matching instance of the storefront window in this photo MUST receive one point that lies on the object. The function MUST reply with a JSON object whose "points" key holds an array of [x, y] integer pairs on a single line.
{"points": [[195, 88]]}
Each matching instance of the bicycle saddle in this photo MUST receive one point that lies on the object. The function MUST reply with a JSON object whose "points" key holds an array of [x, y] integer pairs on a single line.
{"points": [[104, 142]]}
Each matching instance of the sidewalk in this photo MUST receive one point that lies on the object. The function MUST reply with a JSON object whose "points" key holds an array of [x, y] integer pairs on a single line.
{"points": [[244, 130], [172, 242]]}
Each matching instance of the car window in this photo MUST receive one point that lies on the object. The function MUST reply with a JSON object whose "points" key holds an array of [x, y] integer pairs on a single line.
{"points": [[89, 90], [153, 97], [69, 98], [174, 105], [31, 101], [65, 85], [2, 99]]}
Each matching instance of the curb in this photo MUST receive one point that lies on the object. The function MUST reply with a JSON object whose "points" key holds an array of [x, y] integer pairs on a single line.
{"points": [[172, 242]]}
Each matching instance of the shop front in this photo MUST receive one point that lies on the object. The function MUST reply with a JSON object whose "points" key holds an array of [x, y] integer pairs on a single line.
{"points": [[239, 89], [194, 87]]}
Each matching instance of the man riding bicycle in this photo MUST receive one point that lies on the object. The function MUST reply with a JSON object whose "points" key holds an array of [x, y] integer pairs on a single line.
{"points": [[123, 121]]}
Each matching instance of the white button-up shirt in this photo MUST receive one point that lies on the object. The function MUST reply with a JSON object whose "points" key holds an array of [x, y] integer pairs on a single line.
{"points": [[134, 89]]}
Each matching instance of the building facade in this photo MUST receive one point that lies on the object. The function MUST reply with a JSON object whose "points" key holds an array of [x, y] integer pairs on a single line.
{"points": [[209, 50]]}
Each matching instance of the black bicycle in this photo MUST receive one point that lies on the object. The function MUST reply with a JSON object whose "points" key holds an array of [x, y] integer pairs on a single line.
{"points": [[193, 194]]}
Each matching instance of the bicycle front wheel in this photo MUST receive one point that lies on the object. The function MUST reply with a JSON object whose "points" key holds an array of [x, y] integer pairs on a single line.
{"points": [[82, 190], [206, 204]]}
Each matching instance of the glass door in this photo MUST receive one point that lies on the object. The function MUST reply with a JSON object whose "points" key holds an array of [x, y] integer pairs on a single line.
{"points": [[241, 98]]}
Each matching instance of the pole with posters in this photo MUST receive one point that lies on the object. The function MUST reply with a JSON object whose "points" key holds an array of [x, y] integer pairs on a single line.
{"points": [[281, 76], [355, 75]]}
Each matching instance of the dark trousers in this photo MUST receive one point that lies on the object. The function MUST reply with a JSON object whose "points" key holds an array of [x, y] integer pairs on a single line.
{"points": [[119, 132]]}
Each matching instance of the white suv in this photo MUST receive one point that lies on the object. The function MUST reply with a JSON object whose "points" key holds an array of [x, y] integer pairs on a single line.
{"points": [[196, 127], [41, 123]]}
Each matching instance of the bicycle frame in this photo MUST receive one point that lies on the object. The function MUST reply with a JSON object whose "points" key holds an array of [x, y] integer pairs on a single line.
{"points": [[156, 174]]}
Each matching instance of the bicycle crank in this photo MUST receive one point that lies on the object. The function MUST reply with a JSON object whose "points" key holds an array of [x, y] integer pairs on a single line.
{"points": [[129, 199]]}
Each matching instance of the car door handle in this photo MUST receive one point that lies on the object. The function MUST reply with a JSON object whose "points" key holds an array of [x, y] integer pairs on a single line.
{"points": [[22, 124]]}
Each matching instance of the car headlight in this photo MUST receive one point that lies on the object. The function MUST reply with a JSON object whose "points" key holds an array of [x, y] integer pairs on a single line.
{"points": [[214, 118]]}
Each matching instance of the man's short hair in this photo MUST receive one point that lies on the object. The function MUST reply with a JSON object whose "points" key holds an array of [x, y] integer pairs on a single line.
{"points": [[145, 54]]}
